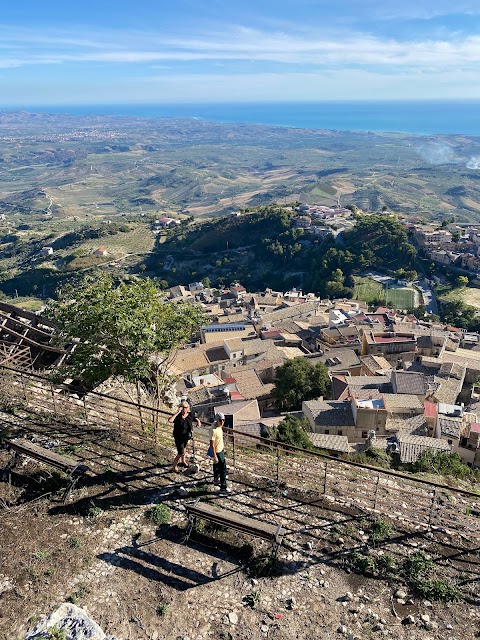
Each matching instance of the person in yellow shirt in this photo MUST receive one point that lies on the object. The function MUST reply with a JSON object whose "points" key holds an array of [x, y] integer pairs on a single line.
{"points": [[218, 453]]}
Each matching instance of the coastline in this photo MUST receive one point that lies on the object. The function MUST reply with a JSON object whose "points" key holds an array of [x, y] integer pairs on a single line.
{"points": [[409, 117]]}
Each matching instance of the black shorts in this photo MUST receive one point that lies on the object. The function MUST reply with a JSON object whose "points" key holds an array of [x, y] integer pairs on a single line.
{"points": [[181, 441]]}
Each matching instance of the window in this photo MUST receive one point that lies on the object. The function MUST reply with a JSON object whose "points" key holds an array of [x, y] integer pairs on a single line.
{"points": [[340, 432], [326, 432], [364, 434]]}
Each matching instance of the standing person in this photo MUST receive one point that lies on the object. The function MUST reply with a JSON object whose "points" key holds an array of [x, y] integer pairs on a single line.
{"points": [[182, 432], [218, 453]]}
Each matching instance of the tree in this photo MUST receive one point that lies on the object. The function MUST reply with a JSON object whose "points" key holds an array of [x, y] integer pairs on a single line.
{"points": [[411, 275], [123, 330], [298, 380], [462, 281], [206, 282], [292, 430]]}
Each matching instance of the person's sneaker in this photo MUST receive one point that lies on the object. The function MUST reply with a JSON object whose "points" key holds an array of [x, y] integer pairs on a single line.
{"points": [[216, 482], [225, 491]]}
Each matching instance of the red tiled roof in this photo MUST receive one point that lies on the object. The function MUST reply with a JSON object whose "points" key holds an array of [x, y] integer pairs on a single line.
{"points": [[429, 409], [474, 427], [229, 380], [236, 395], [271, 333]]}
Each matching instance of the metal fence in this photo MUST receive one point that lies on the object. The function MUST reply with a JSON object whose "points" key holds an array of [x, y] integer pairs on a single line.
{"points": [[312, 477]]}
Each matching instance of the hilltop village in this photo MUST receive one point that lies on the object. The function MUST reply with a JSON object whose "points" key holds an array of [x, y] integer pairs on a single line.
{"points": [[391, 374]]}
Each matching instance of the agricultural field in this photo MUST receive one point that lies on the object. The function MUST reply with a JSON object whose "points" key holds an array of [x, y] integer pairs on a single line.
{"points": [[138, 241], [468, 295], [368, 290]]}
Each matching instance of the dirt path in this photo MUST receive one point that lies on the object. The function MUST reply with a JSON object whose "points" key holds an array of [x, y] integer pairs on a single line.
{"points": [[139, 581]]}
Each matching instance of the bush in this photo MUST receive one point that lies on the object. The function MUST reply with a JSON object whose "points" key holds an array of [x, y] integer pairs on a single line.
{"points": [[417, 566], [444, 464], [93, 510], [251, 599], [362, 563], [417, 569], [380, 530], [159, 514], [261, 566], [441, 590], [54, 633], [162, 609], [292, 430]]}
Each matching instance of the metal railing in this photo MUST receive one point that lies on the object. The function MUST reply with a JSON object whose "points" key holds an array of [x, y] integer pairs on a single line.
{"points": [[313, 477]]}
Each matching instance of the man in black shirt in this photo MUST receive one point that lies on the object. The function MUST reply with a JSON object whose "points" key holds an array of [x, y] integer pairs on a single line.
{"points": [[183, 422]]}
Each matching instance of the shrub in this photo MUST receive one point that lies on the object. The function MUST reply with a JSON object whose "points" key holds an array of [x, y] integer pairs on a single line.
{"points": [[386, 562], [251, 599], [54, 633], [261, 566], [74, 543], [380, 530], [444, 464], [417, 566], [441, 590], [159, 514], [93, 510], [162, 609], [362, 563]]}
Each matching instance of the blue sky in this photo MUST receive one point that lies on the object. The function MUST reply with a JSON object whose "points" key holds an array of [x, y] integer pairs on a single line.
{"points": [[174, 51]]}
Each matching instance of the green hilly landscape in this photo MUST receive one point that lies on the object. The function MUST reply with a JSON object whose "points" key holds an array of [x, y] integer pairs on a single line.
{"points": [[78, 183]]}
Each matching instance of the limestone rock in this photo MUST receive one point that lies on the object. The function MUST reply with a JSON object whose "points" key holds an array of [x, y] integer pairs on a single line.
{"points": [[73, 620], [233, 617]]}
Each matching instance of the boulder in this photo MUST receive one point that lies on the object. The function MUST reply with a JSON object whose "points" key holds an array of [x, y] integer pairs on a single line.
{"points": [[71, 619]]}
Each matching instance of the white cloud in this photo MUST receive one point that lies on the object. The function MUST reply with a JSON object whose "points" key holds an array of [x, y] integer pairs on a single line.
{"points": [[235, 44]]}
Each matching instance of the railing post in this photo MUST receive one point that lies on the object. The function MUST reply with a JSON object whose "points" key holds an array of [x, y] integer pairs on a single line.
{"points": [[118, 415], [376, 491], [24, 388], [278, 466], [233, 450], [53, 400], [432, 507], [85, 409], [325, 478]]}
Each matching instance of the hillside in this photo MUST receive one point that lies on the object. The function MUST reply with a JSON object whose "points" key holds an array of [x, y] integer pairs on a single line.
{"points": [[107, 166]]}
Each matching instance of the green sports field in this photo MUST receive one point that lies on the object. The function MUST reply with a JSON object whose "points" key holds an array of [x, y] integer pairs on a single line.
{"points": [[368, 290], [400, 298]]}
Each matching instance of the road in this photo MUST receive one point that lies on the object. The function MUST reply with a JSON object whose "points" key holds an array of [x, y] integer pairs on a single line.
{"points": [[429, 297]]}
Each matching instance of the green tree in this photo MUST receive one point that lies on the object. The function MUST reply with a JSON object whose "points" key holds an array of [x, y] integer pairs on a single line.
{"points": [[298, 380], [292, 430], [462, 281], [123, 330], [455, 236], [206, 282], [411, 275]]}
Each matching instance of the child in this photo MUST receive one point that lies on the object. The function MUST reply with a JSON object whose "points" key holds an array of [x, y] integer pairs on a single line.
{"points": [[218, 454]]}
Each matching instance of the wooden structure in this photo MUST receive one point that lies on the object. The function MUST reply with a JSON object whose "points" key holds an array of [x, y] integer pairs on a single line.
{"points": [[26, 339], [208, 511], [73, 468]]}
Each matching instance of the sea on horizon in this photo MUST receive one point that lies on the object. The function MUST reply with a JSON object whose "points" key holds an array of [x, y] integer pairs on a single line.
{"points": [[416, 117]]}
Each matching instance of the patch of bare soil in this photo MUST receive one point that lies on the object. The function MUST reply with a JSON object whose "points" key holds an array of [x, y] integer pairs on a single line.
{"points": [[139, 580]]}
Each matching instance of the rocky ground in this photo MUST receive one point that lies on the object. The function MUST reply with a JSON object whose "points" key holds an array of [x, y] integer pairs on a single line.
{"points": [[138, 580]]}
